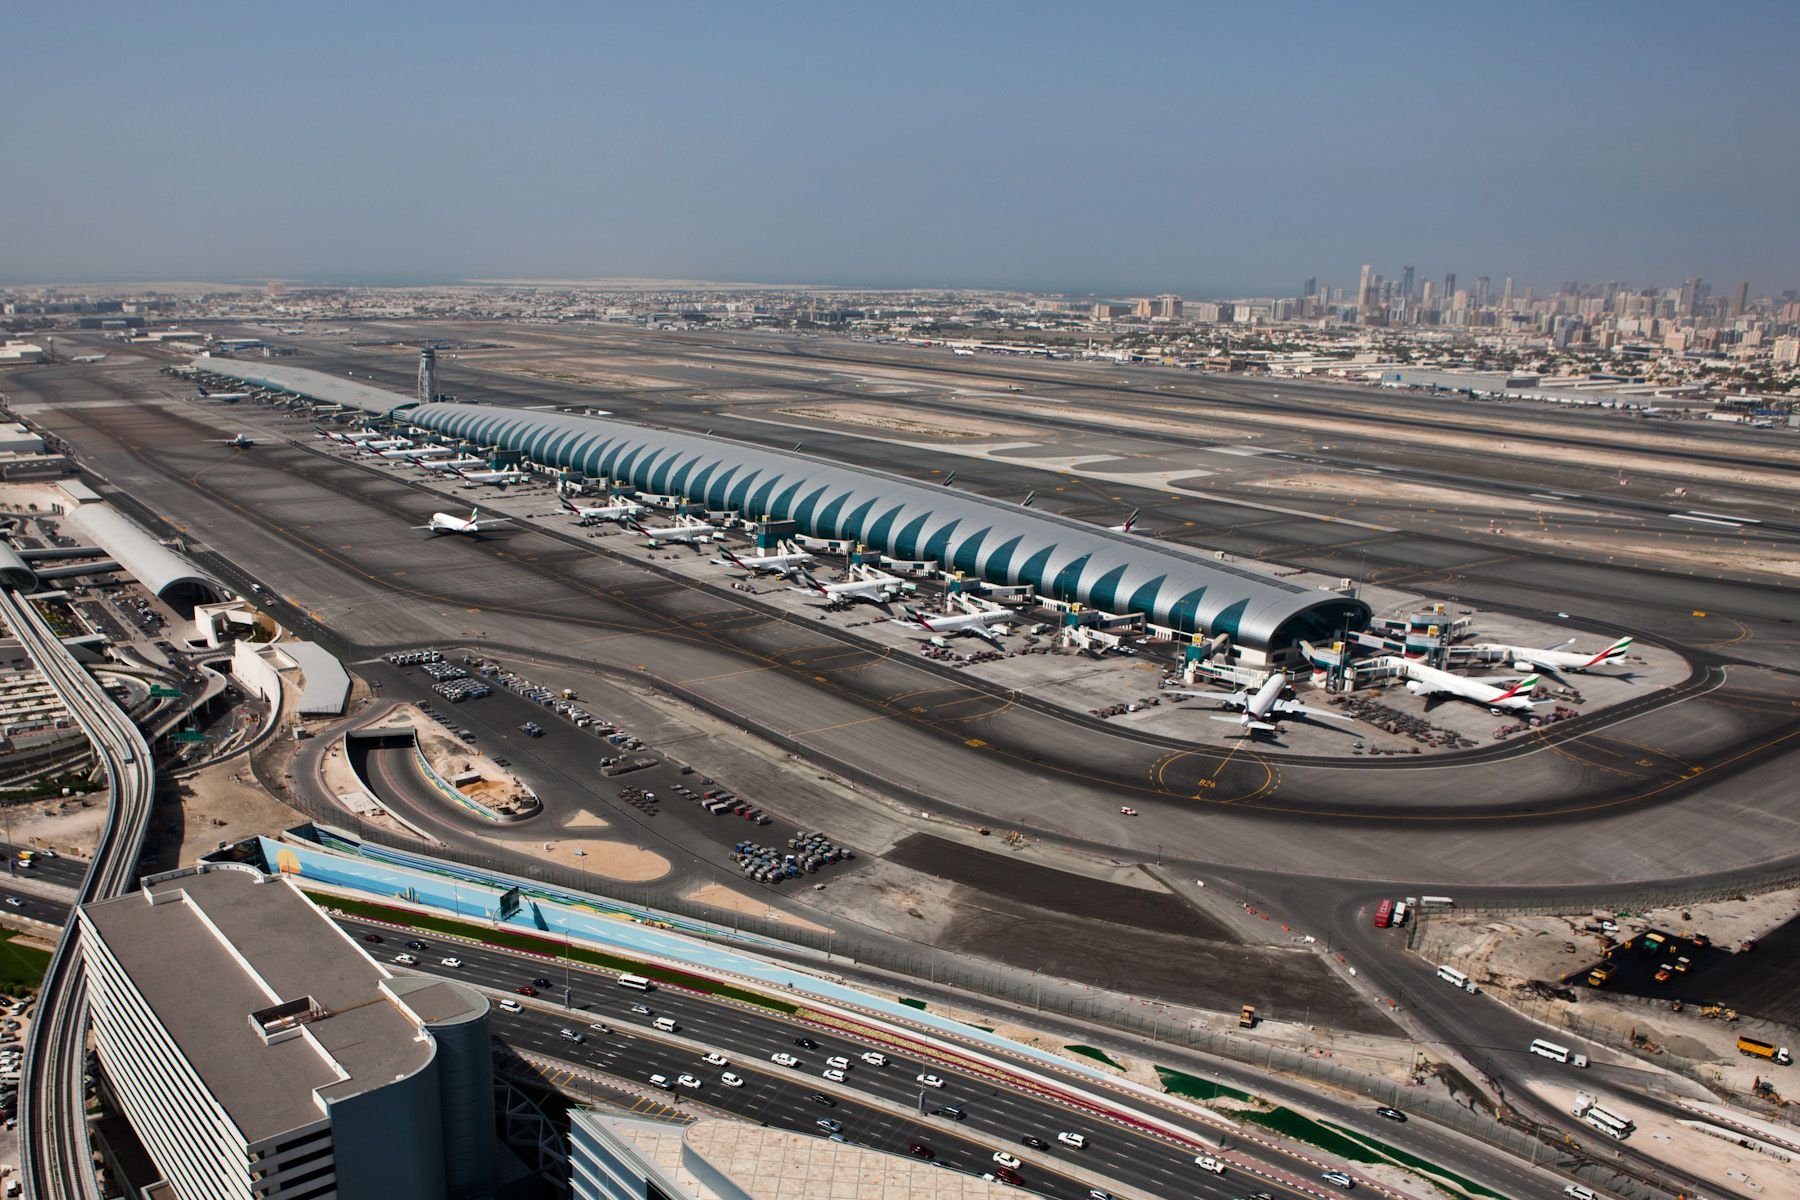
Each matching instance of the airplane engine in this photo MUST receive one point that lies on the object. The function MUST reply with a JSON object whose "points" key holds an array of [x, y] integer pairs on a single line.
{"points": [[1521, 665], [1412, 685]]}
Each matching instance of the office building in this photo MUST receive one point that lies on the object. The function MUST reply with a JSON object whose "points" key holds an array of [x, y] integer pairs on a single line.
{"points": [[615, 1156], [1741, 300], [1168, 307], [1406, 282], [258, 1054], [1363, 298]]}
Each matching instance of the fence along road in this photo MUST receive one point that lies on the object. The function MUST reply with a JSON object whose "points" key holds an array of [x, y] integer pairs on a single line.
{"points": [[56, 1157]]}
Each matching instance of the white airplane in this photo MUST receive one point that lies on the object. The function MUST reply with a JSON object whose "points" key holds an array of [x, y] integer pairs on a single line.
{"points": [[383, 444], [420, 453], [88, 358], [492, 478], [224, 397], [1428, 681], [350, 439], [960, 352], [448, 464], [1555, 658], [472, 524], [1129, 522], [1257, 708], [767, 564], [395, 453], [867, 591], [693, 535], [619, 511], [242, 441], [987, 624]]}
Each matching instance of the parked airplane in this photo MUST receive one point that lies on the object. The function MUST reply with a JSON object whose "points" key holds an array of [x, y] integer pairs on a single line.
{"points": [[617, 511], [420, 453], [403, 451], [223, 397], [383, 444], [988, 624], [867, 591], [88, 358], [472, 524], [693, 535], [1257, 709], [242, 441], [356, 438], [767, 564], [1129, 522], [448, 464], [962, 353], [1555, 658], [1428, 681], [492, 478]]}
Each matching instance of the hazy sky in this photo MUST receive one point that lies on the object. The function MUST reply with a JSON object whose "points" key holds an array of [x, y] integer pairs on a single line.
{"points": [[1089, 147]]}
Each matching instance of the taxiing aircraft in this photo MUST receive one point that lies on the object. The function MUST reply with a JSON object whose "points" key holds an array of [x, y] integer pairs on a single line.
{"points": [[242, 441], [1259, 708], [472, 524], [767, 564], [988, 624], [88, 358], [866, 591], [618, 511], [1555, 658], [1515, 697], [693, 535]]}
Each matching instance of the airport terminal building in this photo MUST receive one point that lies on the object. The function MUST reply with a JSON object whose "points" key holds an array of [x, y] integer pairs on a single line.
{"points": [[1005, 544]]}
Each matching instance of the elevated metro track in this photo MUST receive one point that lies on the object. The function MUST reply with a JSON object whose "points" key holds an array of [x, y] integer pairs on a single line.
{"points": [[55, 1152]]}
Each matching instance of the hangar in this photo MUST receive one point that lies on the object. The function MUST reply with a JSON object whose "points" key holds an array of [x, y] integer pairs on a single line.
{"points": [[1002, 543]]}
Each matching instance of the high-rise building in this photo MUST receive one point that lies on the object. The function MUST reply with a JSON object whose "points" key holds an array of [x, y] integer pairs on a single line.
{"points": [[1428, 297], [1690, 297], [1741, 301], [1506, 295], [258, 1054], [1168, 307], [1362, 288], [1145, 308], [1450, 284], [1312, 286], [1406, 282], [1482, 284]]}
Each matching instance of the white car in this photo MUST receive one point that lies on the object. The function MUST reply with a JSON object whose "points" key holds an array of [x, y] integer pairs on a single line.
{"points": [[1338, 1179], [840, 1062], [15, 902], [450, 962], [661, 1081], [1006, 1160], [874, 1059], [692, 1082], [833, 1074], [511, 1005], [730, 1080], [1072, 1139], [784, 1060], [928, 1080], [405, 960], [715, 1059], [1207, 1162]]}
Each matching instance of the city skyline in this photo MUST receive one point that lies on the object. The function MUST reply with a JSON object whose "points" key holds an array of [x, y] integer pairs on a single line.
{"points": [[1067, 153]]}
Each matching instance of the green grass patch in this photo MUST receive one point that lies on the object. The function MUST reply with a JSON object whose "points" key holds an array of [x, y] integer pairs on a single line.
{"points": [[1099, 1056], [21, 967], [911, 1003], [514, 939], [1304, 1129], [1415, 1163], [1196, 1088]]}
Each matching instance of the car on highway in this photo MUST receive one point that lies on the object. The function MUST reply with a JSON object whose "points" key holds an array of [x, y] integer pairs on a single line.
{"points": [[661, 1081], [691, 1082], [931, 1081], [525, 989], [874, 1058], [823, 1099], [949, 1110], [405, 960], [540, 983], [833, 1074], [1338, 1179], [415, 944], [715, 1059], [373, 939], [571, 1035], [1099, 1194], [15, 902], [829, 1125], [641, 1010], [1035, 1142], [1072, 1139], [1007, 1160], [1207, 1162], [1008, 1175], [1392, 1114], [806, 1043], [730, 1080], [510, 1005], [920, 1150], [599, 1027], [784, 1060], [838, 1061], [450, 962]]}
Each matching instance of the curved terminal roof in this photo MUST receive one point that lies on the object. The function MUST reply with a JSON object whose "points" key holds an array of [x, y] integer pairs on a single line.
{"points": [[1002, 543], [173, 578], [302, 381], [15, 572]]}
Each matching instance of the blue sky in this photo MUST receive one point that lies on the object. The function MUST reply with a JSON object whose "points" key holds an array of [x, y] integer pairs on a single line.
{"points": [[1200, 149]]}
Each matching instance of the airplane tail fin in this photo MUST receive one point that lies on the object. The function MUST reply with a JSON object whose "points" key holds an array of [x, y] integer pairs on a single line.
{"points": [[1130, 521], [1613, 651], [1029, 497], [950, 479], [1523, 687]]}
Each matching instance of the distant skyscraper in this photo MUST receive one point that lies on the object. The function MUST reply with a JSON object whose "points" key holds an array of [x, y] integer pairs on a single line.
{"points": [[1449, 285], [1506, 295], [1312, 286], [1690, 297], [1482, 285], [1429, 295], [1146, 308], [1168, 307], [1742, 300], [1406, 282], [1362, 287]]}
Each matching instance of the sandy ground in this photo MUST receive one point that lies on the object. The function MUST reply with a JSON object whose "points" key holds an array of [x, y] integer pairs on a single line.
{"points": [[892, 419], [69, 826], [720, 896], [1412, 494], [222, 803], [1732, 554], [613, 860]]}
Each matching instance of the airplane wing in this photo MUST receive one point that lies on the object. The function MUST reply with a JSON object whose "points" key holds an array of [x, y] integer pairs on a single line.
{"points": [[1564, 644], [988, 633], [489, 523], [1291, 706], [1232, 699], [1241, 723]]}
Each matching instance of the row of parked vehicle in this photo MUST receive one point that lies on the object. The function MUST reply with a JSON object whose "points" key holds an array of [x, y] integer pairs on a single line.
{"points": [[409, 658], [721, 802], [460, 731], [444, 670], [458, 690]]}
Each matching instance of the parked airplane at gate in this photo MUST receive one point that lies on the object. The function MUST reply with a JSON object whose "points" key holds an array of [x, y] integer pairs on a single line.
{"points": [[988, 624], [492, 478], [1422, 680], [1555, 658], [866, 591], [448, 464], [472, 524], [767, 564], [1259, 708], [376, 447], [617, 511], [223, 397], [693, 535]]}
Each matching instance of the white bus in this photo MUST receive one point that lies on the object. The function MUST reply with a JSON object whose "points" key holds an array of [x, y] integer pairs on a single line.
{"points": [[636, 982], [1611, 1124], [1455, 978], [1556, 1053]]}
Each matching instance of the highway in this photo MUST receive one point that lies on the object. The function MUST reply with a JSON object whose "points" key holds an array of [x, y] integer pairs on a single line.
{"points": [[56, 1159]]}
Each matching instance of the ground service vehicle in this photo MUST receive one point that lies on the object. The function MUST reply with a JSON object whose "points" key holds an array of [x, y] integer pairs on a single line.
{"points": [[1556, 1053], [1768, 1050], [1247, 1017], [1384, 914], [1599, 975]]}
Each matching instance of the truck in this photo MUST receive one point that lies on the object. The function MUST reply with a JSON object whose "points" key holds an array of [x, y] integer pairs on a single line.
{"points": [[1601, 973], [1247, 1018], [1768, 1050]]}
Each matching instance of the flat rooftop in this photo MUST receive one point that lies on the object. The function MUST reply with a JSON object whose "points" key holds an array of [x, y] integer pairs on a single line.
{"points": [[209, 947]]}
